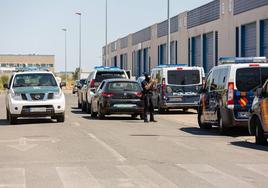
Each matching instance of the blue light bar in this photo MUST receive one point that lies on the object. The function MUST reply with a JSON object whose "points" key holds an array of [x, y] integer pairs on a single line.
{"points": [[170, 66], [28, 69], [106, 68], [237, 60]]}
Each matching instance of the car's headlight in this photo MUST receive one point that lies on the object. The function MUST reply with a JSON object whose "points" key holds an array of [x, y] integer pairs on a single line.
{"points": [[16, 96], [57, 95]]}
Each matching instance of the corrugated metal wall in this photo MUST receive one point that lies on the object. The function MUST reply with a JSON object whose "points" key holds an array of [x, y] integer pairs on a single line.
{"points": [[203, 14], [245, 5], [264, 38], [141, 36], [113, 46], [124, 42], [208, 51], [248, 40], [162, 28], [196, 51]]}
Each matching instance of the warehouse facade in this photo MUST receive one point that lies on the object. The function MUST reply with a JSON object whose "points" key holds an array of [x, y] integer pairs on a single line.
{"points": [[198, 37], [9, 63]]}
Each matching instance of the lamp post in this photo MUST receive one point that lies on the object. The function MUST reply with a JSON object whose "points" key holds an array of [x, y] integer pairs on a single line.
{"points": [[79, 14], [168, 34], [65, 58], [106, 31]]}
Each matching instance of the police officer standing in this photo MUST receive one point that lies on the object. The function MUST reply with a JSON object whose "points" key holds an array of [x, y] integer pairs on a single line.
{"points": [[148, 86]]}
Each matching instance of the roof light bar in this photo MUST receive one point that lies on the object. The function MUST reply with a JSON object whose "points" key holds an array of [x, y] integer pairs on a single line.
{"points": [[28, 69], [106, 68], [168, 66], [237, 60]]}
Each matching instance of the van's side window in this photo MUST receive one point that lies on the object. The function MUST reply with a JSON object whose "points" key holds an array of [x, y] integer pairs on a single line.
{"points": [[158, 77], [208, 82], [223, 78], [215, 80]]}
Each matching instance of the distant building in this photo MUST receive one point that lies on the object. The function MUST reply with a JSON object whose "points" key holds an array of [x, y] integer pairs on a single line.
{"points": [[198, 37], [9, 63]]}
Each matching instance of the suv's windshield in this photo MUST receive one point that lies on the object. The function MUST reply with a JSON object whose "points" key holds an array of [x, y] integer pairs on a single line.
{"points": [[30, 80], [248, 79], [183, 77], [124, 86], [104, 75]]}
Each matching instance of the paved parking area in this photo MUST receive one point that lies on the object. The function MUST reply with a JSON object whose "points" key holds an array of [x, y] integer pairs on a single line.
{"points": [[121, 152]]}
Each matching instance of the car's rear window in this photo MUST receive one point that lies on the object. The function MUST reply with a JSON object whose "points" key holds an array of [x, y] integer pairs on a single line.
{"points": [[248, 79], [183, 77], [124, 86], [109, 75]]}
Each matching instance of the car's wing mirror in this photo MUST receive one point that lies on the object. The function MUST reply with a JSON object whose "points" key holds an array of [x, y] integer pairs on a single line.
{"points": [[259, 92], [93, 90], [6, 86], [63, 84]]}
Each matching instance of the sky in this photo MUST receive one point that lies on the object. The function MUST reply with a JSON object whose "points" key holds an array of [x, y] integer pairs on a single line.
{"points": [[35, 26]]}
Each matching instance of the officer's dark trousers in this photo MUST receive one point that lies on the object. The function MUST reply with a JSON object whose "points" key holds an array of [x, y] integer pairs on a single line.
{"points": [[148, 107]]}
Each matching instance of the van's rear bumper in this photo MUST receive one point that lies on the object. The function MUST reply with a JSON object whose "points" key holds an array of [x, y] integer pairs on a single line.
{"points": [[179, 105], [229, 119]]}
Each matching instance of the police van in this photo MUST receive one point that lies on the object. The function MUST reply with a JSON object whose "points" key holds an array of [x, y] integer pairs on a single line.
{"points": [[177, 87], [229, 91]]}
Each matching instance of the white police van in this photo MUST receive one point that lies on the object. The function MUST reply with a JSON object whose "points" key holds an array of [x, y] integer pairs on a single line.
{"points": [[229, 91], [177, 87], [34, 93]]}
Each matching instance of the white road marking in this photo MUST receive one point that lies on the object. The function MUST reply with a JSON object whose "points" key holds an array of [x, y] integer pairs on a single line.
{"points": [[77, 177], [23, 145], [118, 156], [215, 177], [12, 177], [146, 177], [261, 169]]}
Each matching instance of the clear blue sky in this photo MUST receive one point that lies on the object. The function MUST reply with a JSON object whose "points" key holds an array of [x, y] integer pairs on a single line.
{"points": [[34, 26]]}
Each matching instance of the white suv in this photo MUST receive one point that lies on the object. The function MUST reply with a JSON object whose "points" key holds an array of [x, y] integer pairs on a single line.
{"points": [[34, 94]]}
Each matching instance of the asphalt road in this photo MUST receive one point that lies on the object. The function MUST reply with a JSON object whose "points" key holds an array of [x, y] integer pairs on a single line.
{"points": [[121, 152]]}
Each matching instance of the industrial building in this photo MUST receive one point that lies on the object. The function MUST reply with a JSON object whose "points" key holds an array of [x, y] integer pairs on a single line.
{"points": [[198, 37], [9, 63]]}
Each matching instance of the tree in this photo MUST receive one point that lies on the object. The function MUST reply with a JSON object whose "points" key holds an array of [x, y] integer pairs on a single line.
{"points": [[76, 74]]}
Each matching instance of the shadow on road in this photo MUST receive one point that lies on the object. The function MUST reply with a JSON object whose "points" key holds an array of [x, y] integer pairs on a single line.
{"points": [[232, 132], [77, 111], [177, 112], [27, 121], [249, 145], [111, 118]]}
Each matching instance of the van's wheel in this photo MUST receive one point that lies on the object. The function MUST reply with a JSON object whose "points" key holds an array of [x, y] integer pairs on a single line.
{"points": [[61, 118], [93, 114], [79, 105], [201, 122], [223, 129], [259, 135], [84, 106], [101, 115], [7, 114]]}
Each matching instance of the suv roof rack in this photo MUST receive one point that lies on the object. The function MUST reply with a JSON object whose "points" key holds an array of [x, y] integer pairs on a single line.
{"points": [[240, 60], [172, 65]]}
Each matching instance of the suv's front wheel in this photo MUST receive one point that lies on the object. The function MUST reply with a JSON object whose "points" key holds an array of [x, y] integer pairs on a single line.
{"points": [[12, 119], [60, 118], [259, 135], [201, 121]]}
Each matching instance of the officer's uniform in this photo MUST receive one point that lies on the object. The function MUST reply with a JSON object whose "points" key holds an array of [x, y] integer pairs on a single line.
{"points": [[148, 102]]}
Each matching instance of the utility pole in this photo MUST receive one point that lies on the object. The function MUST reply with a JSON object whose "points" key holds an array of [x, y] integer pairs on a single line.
{"points": [[80, 45], [106, 32], [65, 32], [168, 34]]}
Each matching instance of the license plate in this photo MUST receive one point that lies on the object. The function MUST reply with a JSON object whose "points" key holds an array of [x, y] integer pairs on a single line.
{"points": [[124, 105], [243, 114], [38, 109]]}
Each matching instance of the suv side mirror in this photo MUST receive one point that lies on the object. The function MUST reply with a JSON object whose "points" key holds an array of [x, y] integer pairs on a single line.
{"points": [[259, 92], [62, 84], [6, 86]]}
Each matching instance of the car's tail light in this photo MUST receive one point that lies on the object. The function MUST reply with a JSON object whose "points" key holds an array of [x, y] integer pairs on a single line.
{"points": [[138, 94], [230, 99], [105, 94], [254, 65], [92, 83], [164, 86]]}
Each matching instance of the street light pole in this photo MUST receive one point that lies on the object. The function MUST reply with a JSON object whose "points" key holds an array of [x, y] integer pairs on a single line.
{"points": [[65, 32], [80, 45], [106, 32], [168, 34]]}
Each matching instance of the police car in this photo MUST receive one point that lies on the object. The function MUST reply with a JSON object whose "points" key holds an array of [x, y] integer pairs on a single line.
{"points": [[177, 87], [95, 78], [34, 93], [228, 92]]}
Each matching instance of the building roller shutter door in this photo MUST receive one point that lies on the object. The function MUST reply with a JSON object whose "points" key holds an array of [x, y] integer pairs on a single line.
{"points": [[248, 40], [264, 38], [208, 50], [196, 51]]}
